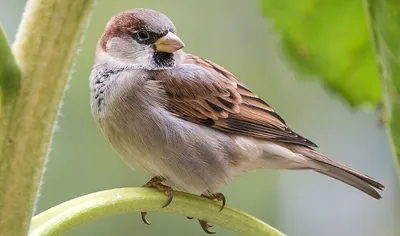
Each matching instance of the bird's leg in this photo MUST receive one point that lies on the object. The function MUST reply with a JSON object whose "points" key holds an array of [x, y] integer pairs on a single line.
{"points": [[156, 182], [212, 196]]}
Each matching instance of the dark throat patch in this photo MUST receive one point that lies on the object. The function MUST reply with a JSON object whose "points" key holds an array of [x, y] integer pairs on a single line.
{"points": [[164, 59]]}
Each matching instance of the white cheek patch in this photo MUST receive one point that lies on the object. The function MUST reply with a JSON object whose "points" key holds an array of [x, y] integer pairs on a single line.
{"points": [[130, 53]]}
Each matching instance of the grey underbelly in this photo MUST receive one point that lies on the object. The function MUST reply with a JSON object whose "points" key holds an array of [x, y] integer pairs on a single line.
{"points": [[191, 158]]}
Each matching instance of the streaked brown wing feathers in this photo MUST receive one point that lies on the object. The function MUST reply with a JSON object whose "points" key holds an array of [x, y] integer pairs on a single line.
{"points": [[225, 104]]}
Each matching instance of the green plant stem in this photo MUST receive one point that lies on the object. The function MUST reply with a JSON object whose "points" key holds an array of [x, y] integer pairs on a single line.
{"points": [[10, 81], [105, 203], [384, 21], [46, 43]]}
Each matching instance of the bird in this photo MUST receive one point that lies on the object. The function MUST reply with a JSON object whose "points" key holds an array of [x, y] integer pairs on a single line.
{"points": [[185, 121]]}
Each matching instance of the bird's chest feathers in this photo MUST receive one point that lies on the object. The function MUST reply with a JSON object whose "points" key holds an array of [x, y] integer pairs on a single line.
{"points": [[103, 82], [138, 133], [121, 104]]}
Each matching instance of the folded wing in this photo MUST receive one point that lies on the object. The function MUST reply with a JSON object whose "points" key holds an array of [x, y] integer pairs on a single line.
{"points": [[203, 92]]}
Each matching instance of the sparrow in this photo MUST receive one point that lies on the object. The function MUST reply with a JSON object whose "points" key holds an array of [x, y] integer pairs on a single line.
{"points": [[185, 121]]}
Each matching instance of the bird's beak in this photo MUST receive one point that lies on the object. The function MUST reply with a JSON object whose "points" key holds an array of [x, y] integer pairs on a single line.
{"points": [[169, 43]]}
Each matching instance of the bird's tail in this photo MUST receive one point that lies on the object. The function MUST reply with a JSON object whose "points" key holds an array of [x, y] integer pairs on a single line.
{"points": [[341, 172]]}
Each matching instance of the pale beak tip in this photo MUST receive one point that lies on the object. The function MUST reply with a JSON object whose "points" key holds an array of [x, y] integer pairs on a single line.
{"points": [[169, 43]]}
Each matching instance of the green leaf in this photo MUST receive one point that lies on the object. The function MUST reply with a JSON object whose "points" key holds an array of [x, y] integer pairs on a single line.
{"points": [[329, 39], [10, 75], [384, 21]]}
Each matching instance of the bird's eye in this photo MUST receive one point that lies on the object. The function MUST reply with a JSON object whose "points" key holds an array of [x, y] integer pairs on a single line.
{"points": [[143, 35]]}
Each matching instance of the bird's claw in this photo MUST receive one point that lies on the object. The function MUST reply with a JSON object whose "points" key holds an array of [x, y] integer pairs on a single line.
{"points": [[216, 196], [144, 218], [156, 182], [170, 192], [212, 196], [205, 226]]}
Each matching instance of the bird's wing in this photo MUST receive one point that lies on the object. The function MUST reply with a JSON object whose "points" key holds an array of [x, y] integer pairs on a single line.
{"points": [[203, 92]]}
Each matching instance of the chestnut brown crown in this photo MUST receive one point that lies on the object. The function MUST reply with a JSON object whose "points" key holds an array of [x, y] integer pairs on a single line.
{"points": [[123, 24]]}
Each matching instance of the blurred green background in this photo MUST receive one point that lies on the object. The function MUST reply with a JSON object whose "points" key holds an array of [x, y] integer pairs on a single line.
{"points": [[234, 34]]}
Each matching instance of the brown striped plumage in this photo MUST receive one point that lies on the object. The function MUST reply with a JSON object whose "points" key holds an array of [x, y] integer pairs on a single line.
{"points": [[225, 104]]}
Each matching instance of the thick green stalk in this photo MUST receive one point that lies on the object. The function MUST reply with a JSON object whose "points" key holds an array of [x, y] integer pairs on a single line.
{"points": [[45, 47], [384, 21], [10, 79], [93, 206]]}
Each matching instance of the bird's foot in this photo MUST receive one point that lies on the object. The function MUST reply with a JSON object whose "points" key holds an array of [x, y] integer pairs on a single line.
{"points": [[216, 196], [212, 196], [156, 182], [206, 226]]}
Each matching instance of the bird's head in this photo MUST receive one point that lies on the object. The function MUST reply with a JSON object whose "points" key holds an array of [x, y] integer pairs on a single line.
{"points": [[141, 38]]}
